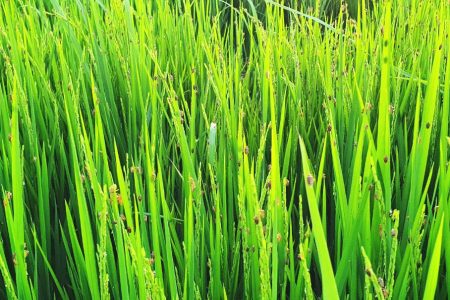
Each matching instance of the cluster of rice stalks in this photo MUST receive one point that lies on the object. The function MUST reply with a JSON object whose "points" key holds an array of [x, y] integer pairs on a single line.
{"points": [[208, 149]]}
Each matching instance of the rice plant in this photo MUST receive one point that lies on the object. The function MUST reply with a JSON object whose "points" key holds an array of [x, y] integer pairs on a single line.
{"points": [[222, 149]]}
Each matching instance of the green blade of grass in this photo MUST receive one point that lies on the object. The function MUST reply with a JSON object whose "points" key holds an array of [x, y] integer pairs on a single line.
{"points": [[329, 287]]}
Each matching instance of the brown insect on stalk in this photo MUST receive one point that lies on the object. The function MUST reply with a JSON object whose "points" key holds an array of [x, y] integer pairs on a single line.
{"points": [[329, 127], [113, 189], [380, 230], [301, 256], [381, 282], [310, 180], [279, 237], [262, 213], [393, 232], [119, 200]]}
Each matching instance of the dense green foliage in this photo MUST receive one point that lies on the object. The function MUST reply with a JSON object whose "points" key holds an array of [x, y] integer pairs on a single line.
{"points": [[209, 149]]}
